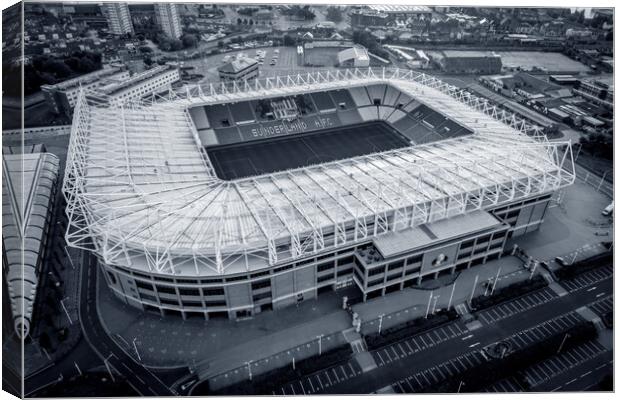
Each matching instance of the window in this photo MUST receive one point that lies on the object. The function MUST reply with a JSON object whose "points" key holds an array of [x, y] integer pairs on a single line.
{"points": [[414, 259], [144, 285], [395, 265], [283, 268], [112, 278], [375, 271], [325, 266], [166, 289], [192, 304], [148, 297], [345, 272], [324, 278], [345, 261], [261, 296], [215, 303], [213, 292], [256, 275], [236, 278], [189, 292], [261, 284]]}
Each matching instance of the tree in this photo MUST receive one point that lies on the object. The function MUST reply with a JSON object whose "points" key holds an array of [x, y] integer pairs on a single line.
{"points": [[44, 341], [334, 14], [189, 40], [251, 22], [289, 40], [145, 49]]}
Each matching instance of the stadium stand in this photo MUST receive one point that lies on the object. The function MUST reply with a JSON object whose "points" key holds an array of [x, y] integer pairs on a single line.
{"points": [[242, 122], [199, 116], [350, 117], [360, 96], [342, 99], [208, 137], [391, 96], [228, 135], [219, 115], [323, 101], [242, 113], [376, 94]]}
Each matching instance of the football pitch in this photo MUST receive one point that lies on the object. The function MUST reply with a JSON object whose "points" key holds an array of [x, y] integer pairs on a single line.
{"points": [[243, 160]]}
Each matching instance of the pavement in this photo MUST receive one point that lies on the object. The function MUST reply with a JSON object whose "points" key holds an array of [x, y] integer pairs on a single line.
{"points": [[487, 334], [410, 303], [221, 344], [569, 225]]}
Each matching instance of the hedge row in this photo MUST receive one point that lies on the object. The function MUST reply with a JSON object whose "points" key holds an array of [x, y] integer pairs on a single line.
{"points": [[409, 328], [570, 271], [267, 382], [483, 375], [509, 292]]}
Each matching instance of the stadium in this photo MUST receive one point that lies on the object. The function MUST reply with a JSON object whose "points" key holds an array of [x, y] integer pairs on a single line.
{"points": [[223, 201]]}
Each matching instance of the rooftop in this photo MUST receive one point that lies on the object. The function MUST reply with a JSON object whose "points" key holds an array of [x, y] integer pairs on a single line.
{"points": [[397, 8], [237, 64], [396, 243], [26, 191], [153, 201]]}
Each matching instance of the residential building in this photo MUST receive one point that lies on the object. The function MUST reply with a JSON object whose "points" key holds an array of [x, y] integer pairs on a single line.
{"points": [[118, 17], [63, 96], [140, 85], [168, 19]]}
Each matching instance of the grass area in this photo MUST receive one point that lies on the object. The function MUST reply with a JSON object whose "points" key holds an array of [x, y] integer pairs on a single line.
{"points": [[409, 328], [508, 293], [267, 382]]}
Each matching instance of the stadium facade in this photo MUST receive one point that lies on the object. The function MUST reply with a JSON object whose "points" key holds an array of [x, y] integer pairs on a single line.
{"points": [[176, 235]]}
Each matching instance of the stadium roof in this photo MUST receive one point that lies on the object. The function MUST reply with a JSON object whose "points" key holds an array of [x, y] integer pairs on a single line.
{"points": [[27, 187], [398, 8], [142, 193]]}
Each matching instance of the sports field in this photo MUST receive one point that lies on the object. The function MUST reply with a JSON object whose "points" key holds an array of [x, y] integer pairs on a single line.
{"points": [[270, 155]]}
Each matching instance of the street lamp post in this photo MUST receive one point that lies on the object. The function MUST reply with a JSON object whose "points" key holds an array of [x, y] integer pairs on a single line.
{"points": [[136, 349], [496, 279], [428, 307], [320, 337], [105, 362], [65, 310], [249, 364], [435, 298], [473, 289], [451, 295], [562, 344], [602, 180], [380, 322]]}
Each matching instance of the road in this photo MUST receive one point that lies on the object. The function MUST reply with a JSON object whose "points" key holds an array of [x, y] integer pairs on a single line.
{"points": [[581, 377], [138, 377], [487, 334]]}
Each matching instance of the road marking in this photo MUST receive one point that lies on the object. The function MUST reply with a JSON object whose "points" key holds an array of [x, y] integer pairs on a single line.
{"points": [[302, 387], [585, 374], [337, 378], [474, 345], [471, 335], [380, 358], [600, 294], [410, 349], [591, 289]]}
